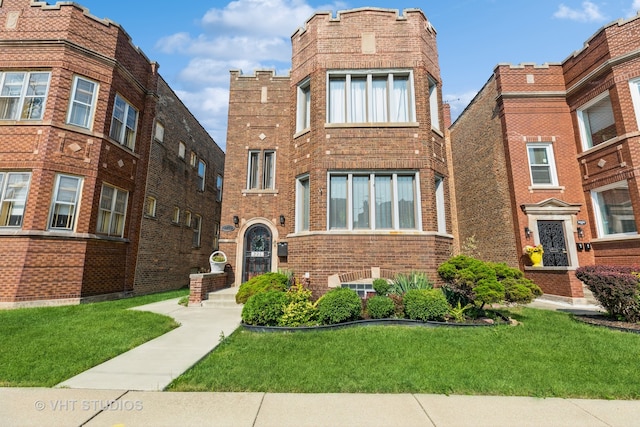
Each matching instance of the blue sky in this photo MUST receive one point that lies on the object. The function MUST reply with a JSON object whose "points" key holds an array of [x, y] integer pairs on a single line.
{"points": [[196, 43]]}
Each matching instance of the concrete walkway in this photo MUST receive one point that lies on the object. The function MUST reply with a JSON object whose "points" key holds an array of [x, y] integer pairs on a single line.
{"points": [[154, 364], [117, 393]]}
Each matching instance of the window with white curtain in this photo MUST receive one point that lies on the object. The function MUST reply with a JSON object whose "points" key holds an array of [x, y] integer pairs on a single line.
{"points": [[373, 201], [371, 97], [83, 102], [113, 209], [303, 120], [23, 94], [14, 187], [441, 219], [597, 124]]}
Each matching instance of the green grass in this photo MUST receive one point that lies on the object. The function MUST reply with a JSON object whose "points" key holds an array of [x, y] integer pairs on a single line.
{"points": [[549, 354], [45, 346]]}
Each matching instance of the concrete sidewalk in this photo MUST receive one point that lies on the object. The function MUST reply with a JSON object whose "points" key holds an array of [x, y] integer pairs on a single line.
{"points": [[125, 392], [154, 364], [65, 407]]}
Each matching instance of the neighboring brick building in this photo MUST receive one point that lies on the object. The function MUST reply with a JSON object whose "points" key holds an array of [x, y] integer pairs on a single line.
{"points": [[339, 170], [549, 154], [78, 108]]}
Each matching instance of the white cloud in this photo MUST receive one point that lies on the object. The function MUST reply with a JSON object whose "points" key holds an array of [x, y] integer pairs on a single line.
{"points": [[458, 102], [634, 9], [247, 35], [590, 12]]}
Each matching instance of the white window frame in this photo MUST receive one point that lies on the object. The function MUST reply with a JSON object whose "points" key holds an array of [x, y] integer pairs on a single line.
{"points": [[553, 174], [259, 163], [598, 213], [197, 231], [126, 134], [72, 206], [583, 122], [9, 203], [23, 108], [395, 211], [370, 76], [434, 105], [111, 228], [202, 174], [187, 219], [193, 159], [634, 86], [441, 213], [89, 107], [182, 149], [303, 210], [303, 112]]}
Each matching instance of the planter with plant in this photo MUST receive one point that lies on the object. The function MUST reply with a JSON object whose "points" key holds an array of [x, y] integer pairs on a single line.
{"points": [[217, 261]]}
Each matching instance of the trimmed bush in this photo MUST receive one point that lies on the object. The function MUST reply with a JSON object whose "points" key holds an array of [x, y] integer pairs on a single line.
{"points": [[264, 308], [472, 281], [339, 305], [398, 305], [262, 283], [380, 307], [381, 286], [615, 287], [425, 304], [299, 311]]}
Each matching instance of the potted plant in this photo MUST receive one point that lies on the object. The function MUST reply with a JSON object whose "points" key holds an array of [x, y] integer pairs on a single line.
{"points": [[535, 254], [217, 261]]}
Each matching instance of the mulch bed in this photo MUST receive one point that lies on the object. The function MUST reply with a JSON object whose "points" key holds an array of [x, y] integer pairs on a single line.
{"points": [[608, 322]]}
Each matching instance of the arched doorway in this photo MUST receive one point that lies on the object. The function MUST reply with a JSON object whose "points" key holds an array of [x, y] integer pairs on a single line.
{"points": [[257, 251]]}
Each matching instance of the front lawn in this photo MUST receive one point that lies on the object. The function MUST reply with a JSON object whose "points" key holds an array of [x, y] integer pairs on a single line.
{"points": [[549, 354], [41, 347]]}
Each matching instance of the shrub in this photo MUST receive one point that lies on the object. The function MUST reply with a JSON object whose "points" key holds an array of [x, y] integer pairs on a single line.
{"points": [[425, 304], [398, 305], [472, 281], [380, 307], [381, 286], [262, 283], [299, 311], [339, 305], [403, 283], [615, 287], [264, 308]]}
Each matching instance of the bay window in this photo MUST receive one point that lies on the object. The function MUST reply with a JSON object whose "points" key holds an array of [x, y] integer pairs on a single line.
{"points": [[14, 187], [23, 95], [112, 212], [124, 123], [613, 209], [82, 104], [370, 97], [64, 205], [597, 124], [302, 203], [303, 113], [373, 201]]}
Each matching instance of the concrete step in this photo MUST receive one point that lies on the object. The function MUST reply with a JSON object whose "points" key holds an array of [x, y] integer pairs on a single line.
{"points": [[224, 298], [588, 295]]}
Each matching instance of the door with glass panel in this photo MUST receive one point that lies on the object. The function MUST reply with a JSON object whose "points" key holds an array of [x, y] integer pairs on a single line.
{"points": [[257, 252]]}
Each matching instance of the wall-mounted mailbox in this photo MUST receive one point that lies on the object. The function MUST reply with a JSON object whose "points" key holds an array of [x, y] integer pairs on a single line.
{"points": [[283, 249]]}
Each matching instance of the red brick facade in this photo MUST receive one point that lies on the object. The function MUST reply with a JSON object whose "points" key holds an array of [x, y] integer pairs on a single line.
{"points": [[264, 115], [43, 262], [528, 107]]}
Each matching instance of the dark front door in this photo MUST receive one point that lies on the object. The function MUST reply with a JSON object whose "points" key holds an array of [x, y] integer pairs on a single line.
{"points": [[551, 235], [257, 252]]}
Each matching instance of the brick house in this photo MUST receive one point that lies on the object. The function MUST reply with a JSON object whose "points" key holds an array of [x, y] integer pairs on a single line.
{"points": [[549, 154], [339, 171], [89, 163]]}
